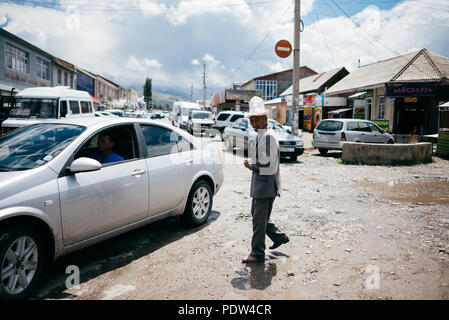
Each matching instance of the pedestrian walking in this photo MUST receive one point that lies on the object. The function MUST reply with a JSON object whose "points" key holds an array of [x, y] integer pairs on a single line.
{"points": [[265, 182]]}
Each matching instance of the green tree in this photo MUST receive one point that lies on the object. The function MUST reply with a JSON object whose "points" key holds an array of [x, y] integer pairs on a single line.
{"points": [[148, 93]]}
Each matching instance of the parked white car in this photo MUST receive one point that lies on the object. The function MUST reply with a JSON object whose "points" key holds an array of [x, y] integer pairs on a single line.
{"points": [[331, 134], [56, 198], [226, 119], [242, 134]]}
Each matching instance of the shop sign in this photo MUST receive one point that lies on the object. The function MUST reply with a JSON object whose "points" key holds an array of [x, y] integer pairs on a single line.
{"points": [[383, 124], [308, 119], [411, 89], [309, 99], [443, 143], [411, 99], [317, 116], [359, 109]]}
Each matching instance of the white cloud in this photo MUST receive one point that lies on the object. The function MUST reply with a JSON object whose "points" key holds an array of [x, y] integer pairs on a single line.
{"points": [[3, 19], [169, 40], [134, 64], [152, 63]]}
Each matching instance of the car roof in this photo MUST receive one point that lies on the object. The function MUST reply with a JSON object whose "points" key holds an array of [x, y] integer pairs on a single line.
{"points": [[53, 92], [233, 112]]}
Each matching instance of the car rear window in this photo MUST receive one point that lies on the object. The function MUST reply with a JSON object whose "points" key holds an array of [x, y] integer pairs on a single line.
{"points": [[330, 126], [222, 116], [236, 116]]}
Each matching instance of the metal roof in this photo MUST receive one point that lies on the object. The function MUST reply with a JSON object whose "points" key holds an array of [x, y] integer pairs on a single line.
{"points": [[314, 82], [421, 65]]}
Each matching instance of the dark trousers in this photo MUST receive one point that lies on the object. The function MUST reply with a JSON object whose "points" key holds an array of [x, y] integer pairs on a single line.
{"points": [[261, 211]]}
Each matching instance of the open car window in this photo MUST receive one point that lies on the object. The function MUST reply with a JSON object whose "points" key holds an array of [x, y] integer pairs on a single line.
{"points": [[124, 145]]}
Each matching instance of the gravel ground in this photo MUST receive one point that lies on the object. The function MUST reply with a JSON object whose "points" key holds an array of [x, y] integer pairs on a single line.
{"points": [[356, 232]]}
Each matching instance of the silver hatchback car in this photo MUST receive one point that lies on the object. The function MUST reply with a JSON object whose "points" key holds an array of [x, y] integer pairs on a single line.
{"points": [[60, 191], [331, 134]]}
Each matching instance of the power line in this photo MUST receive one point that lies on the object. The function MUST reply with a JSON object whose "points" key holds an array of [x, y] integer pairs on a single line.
{"points": [[260, 44], [378, 41], [325, 40]]}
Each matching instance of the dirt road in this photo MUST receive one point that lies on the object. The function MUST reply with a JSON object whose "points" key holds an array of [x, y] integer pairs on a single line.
{"points": [[357, 232]]}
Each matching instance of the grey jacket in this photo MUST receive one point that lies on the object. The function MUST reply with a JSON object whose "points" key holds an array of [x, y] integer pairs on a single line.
{"points": [[264, 162]]}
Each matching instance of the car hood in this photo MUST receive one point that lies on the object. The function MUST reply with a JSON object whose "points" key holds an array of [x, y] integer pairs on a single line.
{"points": [[15, 182], [285, 136]]}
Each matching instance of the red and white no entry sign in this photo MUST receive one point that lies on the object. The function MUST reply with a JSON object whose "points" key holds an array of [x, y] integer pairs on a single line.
{"points": [[283, 48]]}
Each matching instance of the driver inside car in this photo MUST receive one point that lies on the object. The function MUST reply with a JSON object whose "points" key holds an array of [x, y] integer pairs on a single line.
{"points": [[106, 143]]}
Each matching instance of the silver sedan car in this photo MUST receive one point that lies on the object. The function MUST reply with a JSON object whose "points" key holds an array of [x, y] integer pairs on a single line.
{"points": [[241, 134], [332, 134], [61, 189]]}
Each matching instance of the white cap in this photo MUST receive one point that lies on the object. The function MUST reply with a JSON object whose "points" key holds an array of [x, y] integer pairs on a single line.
{"points": [[256, 107]]}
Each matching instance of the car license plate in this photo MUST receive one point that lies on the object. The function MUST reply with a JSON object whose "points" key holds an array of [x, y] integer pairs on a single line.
{"points": [[287, 149]]}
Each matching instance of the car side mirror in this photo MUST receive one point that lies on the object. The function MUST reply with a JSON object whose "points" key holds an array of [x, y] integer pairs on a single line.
{"points": [[84, 165]]}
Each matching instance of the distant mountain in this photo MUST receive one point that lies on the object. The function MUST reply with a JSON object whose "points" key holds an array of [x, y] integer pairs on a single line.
{"points": [[168, 95]]}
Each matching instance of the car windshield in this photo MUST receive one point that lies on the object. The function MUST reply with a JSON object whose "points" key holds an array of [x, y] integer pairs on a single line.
{"points": [[33, 146], [330, 125], [276, 126], [185, 111], [201, 115], [35, 108]]}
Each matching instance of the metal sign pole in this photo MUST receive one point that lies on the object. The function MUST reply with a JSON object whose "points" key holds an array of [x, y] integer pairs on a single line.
{"points": [[296, 69]]}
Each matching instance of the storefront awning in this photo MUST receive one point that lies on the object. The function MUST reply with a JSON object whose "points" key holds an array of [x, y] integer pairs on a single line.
{"points": [[444, 105], [340, 110], [357, 95], [95, 100]]}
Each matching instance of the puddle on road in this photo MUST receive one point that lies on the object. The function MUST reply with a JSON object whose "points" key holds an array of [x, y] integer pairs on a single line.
{"points": [[255, 276], [434, 191]]}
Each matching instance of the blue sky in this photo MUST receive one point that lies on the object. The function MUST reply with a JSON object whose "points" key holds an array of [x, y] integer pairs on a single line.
{"points": [[168, 40]]}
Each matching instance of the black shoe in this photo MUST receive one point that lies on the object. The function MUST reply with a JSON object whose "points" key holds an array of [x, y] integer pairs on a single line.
{"points": [[278, 244], [252, 259]]}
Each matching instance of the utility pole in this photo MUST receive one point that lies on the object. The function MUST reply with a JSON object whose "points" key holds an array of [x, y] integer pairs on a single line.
{"points": [[296, 69], [191, 93], [204, 86]]}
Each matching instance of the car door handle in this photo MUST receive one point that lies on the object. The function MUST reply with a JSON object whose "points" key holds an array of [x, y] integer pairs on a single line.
{"points": [[138, 172], [188, 162]]}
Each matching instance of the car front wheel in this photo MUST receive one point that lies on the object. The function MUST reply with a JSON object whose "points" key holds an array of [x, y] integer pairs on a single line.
{"points": [[22, 259], [199, 204]]}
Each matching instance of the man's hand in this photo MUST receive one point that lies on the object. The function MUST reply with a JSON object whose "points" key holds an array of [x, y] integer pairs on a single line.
{"points": [[245, 163]]}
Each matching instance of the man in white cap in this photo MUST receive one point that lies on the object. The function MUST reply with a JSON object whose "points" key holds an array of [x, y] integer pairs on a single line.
{"points": [[265, 182]]}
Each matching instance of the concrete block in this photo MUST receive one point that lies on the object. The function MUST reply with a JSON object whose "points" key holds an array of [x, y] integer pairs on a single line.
{"points": [[387, 154]]}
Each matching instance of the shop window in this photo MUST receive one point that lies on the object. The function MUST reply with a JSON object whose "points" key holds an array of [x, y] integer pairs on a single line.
{"points": [[369, 103], [381, 108]]}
